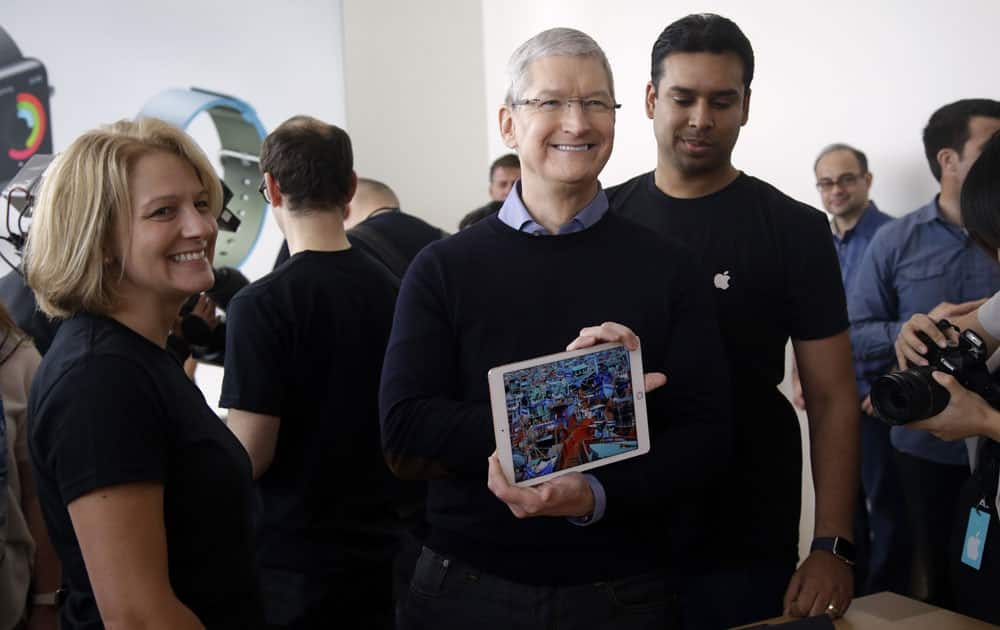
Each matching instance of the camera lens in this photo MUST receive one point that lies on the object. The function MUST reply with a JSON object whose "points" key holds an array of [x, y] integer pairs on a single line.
{"points": [[907, 396]]}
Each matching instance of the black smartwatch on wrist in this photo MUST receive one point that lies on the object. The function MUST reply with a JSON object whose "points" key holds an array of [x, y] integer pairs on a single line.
{"points": [[840, 547]]}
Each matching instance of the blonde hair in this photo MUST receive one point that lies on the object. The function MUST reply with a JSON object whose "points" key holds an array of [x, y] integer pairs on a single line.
{"points": [[83, 200]]}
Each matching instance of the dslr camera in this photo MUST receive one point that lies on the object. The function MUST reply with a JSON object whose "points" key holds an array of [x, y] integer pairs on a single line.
{"points": [[910, 395]]}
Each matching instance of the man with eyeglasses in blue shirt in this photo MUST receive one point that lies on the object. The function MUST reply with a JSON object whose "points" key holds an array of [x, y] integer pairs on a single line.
{"points": [[925, 262], [880, 530]]}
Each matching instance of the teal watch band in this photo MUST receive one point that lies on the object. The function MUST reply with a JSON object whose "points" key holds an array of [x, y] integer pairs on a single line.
{"points": [[240, 134]]}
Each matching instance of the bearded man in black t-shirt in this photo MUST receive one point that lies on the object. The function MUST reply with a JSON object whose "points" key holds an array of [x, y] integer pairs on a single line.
{"points": [[304, 348], [775, 276]]}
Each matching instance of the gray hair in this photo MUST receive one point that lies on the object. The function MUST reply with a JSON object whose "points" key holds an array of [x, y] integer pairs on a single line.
{"points": [[554, 42]]}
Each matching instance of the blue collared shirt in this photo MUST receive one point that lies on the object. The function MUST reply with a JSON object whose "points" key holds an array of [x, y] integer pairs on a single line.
{"points": [[912, 265], [852, 244], [514, 214], [850, 248]]}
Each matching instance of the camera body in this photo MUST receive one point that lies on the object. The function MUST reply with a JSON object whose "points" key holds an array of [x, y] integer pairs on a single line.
{"points": [[202, 342], [913, 394]]}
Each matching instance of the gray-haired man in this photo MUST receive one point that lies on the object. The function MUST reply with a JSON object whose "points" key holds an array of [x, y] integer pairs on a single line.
{"points": [[580, 551]]}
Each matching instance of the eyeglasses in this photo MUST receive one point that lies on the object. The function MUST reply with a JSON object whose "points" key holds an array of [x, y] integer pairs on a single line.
{"points": [[263, 191], [595, 106], [844, 181]]}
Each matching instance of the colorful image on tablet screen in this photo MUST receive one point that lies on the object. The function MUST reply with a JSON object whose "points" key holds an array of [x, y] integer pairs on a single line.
{"points": [[570, 412]]}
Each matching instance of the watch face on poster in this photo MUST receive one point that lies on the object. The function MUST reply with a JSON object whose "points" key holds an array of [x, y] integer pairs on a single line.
{"points": [[25, 126]]}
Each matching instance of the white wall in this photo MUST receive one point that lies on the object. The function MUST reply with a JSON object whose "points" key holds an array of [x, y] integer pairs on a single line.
{"points": [[866, 73], [414, 102]]}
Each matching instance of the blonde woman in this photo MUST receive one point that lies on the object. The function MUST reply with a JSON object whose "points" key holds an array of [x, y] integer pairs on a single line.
{"points": [[147, 495]]}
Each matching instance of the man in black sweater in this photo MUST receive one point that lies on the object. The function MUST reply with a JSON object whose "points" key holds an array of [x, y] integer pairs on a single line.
{"points": [[580, 551]]}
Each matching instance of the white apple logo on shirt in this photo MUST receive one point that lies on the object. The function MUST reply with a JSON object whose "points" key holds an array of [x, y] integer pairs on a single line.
{"points": [[972, 547], [722, 280]]}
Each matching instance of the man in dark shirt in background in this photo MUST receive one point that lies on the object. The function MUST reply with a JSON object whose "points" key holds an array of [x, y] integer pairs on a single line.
{"points": [[304, 348], [774, 276], [376, 225], [579, 551]]}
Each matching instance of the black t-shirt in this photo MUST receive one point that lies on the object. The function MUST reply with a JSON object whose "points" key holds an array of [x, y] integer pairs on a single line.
{"points": [[479, 214], [775, 275], [305, 343], [109, 407], [975, 589], [404, 235]]}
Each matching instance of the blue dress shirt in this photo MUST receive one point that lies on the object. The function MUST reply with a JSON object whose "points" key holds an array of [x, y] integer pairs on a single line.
{"points": [[851, 246], [912, 265], [514, 214]]}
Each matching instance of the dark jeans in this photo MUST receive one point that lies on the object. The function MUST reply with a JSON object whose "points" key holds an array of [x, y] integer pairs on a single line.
{"points": [[450, 595], [735, 597], [882, 531], [932, 492], [331, 599]]}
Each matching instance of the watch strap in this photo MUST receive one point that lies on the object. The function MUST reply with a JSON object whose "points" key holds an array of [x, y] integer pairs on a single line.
{"points": [[9, 52], [839, 547], [240, 134], [55, 598]]}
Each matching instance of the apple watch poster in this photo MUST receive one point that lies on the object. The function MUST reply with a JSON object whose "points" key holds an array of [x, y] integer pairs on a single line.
{"points": [[25, 126]]}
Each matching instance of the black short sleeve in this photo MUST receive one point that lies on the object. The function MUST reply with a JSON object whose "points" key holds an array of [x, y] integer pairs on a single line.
{"points": [[255, 354], [816, 306], [118, 436]]}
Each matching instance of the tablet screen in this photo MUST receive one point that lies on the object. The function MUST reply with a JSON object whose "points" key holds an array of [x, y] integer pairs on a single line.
{"points": [[570, 412]]}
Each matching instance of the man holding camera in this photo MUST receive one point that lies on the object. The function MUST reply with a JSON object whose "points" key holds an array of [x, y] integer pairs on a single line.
{"points": [[921, 260], [975, 561]]}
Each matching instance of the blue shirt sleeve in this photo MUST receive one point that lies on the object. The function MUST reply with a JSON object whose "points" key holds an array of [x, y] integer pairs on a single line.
{"points": [[874, 309], [600, 503]]}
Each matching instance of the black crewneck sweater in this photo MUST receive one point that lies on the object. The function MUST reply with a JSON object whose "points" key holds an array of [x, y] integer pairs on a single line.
{"points": [[491, 295]]}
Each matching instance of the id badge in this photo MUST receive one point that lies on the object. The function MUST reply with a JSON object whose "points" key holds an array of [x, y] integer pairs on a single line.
{"points": [[975, 537]]}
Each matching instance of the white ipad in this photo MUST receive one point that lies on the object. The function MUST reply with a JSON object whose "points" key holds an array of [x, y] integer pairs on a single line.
{"points": [[569, 411]]}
